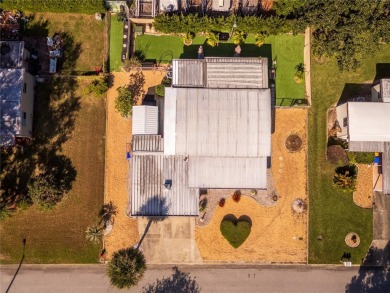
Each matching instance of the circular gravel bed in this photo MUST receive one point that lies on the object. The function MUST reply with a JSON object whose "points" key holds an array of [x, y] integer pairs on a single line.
{"points": [[352, 239], [293, 143]]}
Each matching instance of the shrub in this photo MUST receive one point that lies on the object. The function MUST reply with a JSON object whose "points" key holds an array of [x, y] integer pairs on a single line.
{"points": [[361, 157], [336, 155], [5, 212], [187, 39], [237, 196], [45, 191], [337, 141], [235, 232], [58, 6], [124, 101], [203, 205], [222, 202], [212, 39], [300, 73], [345, 178], [98, 87], [238, 37], [94, 233], [160, 90], [131, 63], [126, 268]]}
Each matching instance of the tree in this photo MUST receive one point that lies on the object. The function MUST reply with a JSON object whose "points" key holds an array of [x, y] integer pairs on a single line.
{"points": [[345, 178], [94, 233], [126, 268], [45, 190], [160, 90], [300, 73], [238, 37], [98, 86], [108, 211], [124, 101], [212, 39]]}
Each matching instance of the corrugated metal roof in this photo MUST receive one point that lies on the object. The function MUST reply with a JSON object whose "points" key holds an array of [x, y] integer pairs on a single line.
{"points": [[217, 72], [11, 86], [368, 121], [386, 168], [221, 122], [366, 146], [145, 120], [237, 173], [147, 143], [149, 195], [188, 72], [11, 54]]}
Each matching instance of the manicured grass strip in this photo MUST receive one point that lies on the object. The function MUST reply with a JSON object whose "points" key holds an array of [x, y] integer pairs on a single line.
{"points": [[58, 236], [287, 49], [116, 31], [333, 213]]}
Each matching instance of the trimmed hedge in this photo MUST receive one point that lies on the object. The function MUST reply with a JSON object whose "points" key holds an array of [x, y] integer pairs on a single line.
{"points": [[361, 157], [59, 6], [235, 232]]}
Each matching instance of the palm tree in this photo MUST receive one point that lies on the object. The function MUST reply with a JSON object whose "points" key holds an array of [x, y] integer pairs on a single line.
{"points": [[238, 37], [108, 210], [126, 268], [212, 39], [94, 233]]}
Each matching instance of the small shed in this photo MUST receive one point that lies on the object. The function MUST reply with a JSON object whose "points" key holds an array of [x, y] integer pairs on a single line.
{"points": [[145, 120]]}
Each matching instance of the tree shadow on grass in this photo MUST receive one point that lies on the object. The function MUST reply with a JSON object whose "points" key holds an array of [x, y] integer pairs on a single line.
{"points": [[374, 273], [55, 110], [177, 282]]}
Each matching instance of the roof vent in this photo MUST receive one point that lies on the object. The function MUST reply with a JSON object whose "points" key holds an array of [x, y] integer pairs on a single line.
{"points": [[168, 184]]}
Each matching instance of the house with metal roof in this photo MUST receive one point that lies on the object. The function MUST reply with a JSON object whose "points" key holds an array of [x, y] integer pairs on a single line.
{"points": [[366, 127], [216, 134], [16, 95]]}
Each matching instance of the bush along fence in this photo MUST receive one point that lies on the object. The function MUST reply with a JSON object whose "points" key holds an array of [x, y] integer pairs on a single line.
{"points": [[193, 23], [59, 6]]}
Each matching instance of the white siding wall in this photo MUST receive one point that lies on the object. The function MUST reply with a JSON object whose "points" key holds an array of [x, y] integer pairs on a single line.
{"points": [[342, 113]]}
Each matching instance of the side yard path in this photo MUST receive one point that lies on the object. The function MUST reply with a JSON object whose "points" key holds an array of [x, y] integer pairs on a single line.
{"points": [[117, 180]]}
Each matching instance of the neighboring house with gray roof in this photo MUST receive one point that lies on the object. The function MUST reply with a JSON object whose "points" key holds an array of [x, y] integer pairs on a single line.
{"points": [[366, 127], [216, 134], [16, 95]]}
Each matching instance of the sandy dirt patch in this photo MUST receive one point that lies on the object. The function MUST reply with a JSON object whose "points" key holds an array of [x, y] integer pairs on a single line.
{"points": [[363, 196], [118, 138], [278, 234]]}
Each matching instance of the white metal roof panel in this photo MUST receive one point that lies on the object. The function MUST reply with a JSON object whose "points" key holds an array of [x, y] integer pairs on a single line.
{"points": [[221, 122], [237, 173], [369, 121], [145, 120]]}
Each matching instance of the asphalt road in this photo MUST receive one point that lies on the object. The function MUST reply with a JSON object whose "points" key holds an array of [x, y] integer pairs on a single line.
{"points": [[216, 279]]}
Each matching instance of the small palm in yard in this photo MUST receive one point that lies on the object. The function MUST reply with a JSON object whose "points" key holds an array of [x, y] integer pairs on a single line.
{"points": [[108, 211], [94, 233], [212, 39], [126, 268]]}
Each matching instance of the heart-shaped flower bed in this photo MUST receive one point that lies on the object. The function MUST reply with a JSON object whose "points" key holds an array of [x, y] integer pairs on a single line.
{"points": [[236, 231]]}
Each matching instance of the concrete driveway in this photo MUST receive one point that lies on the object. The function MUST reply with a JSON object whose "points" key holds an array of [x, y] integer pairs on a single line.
{"points": [[169, 241]]}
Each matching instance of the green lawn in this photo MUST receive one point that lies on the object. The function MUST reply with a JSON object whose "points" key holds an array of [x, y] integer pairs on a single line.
{"points": [[287, 49], [83, 37], [332, 213], [69, 138], [116, 31]]}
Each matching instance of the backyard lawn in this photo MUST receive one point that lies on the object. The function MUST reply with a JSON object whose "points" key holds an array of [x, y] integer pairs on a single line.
{"points": [[116, 30], [83, 37], [333, 214], [69, 134], [287, 49]]}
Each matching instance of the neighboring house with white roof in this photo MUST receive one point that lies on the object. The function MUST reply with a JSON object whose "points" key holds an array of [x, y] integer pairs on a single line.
{"points": [[16, 95], [216, 134], [366, 126]]}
